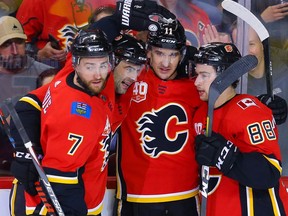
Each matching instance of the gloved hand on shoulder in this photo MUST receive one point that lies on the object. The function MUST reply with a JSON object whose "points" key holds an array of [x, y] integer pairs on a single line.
{"points": [[186, 65], [278, 107], [141, 15], [215, 151], [24, 171]]}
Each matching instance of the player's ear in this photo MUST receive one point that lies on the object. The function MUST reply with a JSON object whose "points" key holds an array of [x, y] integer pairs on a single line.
{"points": [[149, 54]]}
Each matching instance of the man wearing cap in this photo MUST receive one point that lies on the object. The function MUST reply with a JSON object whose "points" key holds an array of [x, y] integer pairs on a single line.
{"points": [[18, 72]]}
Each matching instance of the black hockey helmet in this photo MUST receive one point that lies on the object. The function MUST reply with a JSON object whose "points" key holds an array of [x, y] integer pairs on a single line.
{"points": [[128, 48], [219, 55], [91, 43], [171, 35]]}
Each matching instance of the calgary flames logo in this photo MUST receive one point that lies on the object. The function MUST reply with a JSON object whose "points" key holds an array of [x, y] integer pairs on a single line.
{"points": [[107, 134], [163, 131]]}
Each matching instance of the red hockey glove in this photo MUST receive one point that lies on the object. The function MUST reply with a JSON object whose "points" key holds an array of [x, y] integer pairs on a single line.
{"points": [[216, 151], [278, 107], [141, 15]]}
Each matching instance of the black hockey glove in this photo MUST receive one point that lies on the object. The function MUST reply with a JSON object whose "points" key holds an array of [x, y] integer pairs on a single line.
{"points": [[24, 171], [216, 151], [186, 67], [278, 107], [141, 15]]}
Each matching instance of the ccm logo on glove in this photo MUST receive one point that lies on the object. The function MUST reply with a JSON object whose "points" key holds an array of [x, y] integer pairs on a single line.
{"points": [[223, 154], [216, 151], [25, 155]]}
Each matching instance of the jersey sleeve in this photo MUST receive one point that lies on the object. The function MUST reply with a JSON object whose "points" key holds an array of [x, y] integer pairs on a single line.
{"points": [[29, 111], [256, 170], [255, 134]]}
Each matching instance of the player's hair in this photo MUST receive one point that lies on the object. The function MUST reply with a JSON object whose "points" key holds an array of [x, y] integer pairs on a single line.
{"points": [[219, 55], [47, 73], [129, 49], [107, 9]]}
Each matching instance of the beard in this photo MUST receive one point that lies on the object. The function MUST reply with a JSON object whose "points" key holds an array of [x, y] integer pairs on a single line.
{"points": [[92, 90], [13, 63]]}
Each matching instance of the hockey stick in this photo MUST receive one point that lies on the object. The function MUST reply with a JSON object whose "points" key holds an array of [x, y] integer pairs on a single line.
{"points": [[247, 16], [6, 128], [55, 207], [221, 82], [39, 189]]}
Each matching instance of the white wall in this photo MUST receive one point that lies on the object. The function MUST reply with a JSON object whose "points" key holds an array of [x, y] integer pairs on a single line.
{"points": [[107, 209], [4, 202]]}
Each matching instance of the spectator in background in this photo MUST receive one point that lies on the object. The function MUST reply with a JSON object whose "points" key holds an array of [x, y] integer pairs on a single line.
{"points": [[61, 19], [274, 13], [212, 8], [212, 35], [46, 77], [100, 12], [9, 7], [193, 19], [18, 72]]}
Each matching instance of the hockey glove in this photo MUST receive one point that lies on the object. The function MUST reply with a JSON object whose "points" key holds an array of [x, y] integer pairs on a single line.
{"points": [[216, 151], [24, 171], [141, 15], [278, 107], [186, 67]]}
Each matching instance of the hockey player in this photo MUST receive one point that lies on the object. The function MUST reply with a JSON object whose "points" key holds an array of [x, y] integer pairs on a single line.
{"points": [[67, 148], [157, 171], [243, 151], [130, 60]]}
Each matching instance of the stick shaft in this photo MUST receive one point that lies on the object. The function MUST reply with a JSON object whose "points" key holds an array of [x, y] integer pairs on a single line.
{"points": [[54, 207]]}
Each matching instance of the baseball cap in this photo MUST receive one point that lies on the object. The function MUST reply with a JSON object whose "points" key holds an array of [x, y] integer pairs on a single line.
{"points": [[10, 28]]}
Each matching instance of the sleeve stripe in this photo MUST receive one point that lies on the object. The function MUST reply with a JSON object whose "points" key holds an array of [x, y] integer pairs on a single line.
{"points": [[275, 163], [31, 101], [62, 179]]}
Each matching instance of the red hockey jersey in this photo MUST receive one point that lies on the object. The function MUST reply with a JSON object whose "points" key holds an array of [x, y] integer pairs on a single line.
{"points": [[98, 158], [81, 136], [156, 156], [250, 126]]}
